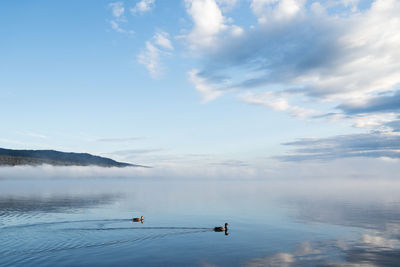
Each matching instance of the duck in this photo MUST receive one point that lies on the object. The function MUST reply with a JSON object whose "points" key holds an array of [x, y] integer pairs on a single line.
{"points": [[138, 219], [221, 228]]}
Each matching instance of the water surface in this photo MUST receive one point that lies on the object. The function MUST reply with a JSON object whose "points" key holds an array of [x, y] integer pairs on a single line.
{"points": [[69, 222]]}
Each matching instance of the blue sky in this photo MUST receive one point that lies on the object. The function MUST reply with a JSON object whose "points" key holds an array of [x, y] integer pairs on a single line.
{"points": [[221, 84]]}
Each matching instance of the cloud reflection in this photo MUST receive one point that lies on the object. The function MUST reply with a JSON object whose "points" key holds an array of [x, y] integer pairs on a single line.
{"points": [[303, 254]]}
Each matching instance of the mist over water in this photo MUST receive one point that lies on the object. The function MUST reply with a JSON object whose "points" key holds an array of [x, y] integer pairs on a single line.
{"points": [[64, 222]]}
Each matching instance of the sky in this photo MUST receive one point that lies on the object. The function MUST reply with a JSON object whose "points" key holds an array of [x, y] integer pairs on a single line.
{"points": [[206, 87]]}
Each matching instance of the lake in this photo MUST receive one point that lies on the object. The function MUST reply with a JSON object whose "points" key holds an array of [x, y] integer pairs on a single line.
{"points": [[88, 222]]}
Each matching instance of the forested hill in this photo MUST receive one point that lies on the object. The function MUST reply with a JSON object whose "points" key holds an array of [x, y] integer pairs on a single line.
{"points": [[12, 157]]}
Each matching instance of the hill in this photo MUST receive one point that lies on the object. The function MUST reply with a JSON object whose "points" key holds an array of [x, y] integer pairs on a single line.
{"points": [[12, 157]]}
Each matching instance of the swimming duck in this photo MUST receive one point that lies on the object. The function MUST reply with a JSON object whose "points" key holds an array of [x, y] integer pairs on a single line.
{"points": [[221, 228], [138, 219]]}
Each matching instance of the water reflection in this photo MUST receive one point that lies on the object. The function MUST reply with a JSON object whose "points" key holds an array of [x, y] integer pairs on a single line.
{"points": [[270, 224], [360, 253], [368, 215], [52, 204], [304, 255], [375, 223]]}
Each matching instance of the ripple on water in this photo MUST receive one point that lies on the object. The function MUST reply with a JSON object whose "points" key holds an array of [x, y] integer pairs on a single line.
{"points": [[24, 243]]}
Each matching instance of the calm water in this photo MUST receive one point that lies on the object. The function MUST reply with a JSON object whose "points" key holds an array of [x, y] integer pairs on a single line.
{"points": [[87, 222]]}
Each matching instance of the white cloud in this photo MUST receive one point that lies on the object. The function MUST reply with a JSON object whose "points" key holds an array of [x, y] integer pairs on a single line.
{"points": [[318, 9], [368, 62], [374, 145], [227, 5], [276, 102], [202, 86], [236, 30], [120, 139], [351, 3], [143, 6], [117, 9], [161, 39], [151, 56], [350, 60], [33, 134], [115, 26], [208, 22], [372, 121], [268, 10], [210, 26]]}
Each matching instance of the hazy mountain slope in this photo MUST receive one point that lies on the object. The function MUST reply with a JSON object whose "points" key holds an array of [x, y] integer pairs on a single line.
{"points": [[52, 157]]}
